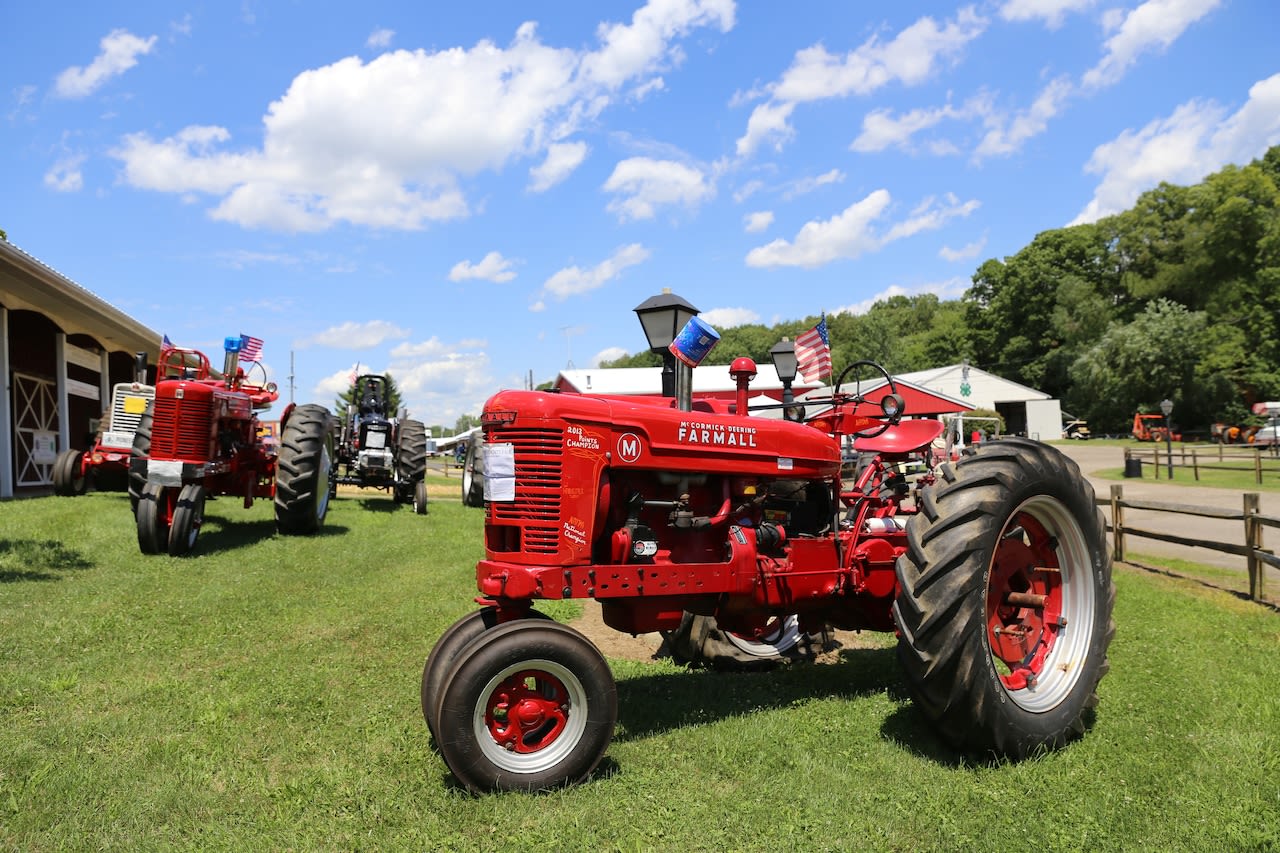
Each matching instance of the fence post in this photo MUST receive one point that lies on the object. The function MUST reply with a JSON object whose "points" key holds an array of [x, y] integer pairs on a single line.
{"points": [[1117, 522], [1253, 542], [1195, 465], [1257, 466]]}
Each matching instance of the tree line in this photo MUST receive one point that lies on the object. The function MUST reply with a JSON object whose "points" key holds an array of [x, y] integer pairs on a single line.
{"points": [[1177, 297]]}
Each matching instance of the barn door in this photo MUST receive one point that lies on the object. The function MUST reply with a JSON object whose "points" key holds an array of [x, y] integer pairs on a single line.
{"points": [[35, 429]]}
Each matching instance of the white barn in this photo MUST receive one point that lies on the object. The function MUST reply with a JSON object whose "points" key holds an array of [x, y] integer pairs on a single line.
{"points": [[1025, 410]]}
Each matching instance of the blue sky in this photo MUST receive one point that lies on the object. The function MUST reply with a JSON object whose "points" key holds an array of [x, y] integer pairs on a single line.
{"points": [[464, 194]]}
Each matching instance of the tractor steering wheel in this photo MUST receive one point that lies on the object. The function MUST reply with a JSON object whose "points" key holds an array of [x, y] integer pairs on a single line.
{"points": [[857, 396]]}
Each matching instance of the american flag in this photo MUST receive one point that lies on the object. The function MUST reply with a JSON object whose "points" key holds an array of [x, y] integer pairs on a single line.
{"points": [[250, 348], [813, 352]]}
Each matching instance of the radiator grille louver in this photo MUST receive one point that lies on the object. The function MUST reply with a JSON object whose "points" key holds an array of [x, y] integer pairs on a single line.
{"points": [[538, 455], [180, 431]]}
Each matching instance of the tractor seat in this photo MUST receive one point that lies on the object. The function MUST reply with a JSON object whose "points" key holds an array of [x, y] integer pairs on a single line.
{"points": [[902, 438]]}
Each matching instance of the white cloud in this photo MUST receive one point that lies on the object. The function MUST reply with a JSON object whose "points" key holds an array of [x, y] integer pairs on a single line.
{"points": [[1006, 134], [949, 289], [850, 233], [808, 185], [1052, 12], [573, 281], [562, 158], [727, 318], [492, 267], [881, 129], [643, 184], [756, 222], [65, 175], [380, 38], [352, 335], [608, 354], [910, 58], [1155, 24], [1197, 139], [964, 253], [389, 143], [120, 52]]}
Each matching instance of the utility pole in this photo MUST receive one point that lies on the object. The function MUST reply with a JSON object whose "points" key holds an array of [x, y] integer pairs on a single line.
{"points": [[290, 376]]}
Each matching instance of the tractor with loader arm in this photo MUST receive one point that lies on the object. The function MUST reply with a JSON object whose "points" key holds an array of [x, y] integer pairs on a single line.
{"points": [[201, 438], [992, 570], [375, 450], [108, 459]]}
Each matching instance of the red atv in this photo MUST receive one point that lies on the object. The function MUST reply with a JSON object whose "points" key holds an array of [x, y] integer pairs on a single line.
{"points": [[992, 570]]}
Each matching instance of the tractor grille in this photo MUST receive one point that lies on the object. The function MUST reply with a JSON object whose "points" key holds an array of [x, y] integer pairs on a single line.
{"points": [[127, 406], [537, 504], [180, 429]]}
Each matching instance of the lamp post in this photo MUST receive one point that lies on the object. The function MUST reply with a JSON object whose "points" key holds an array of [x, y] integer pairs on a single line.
{"points": [[1166, 406], [785, 362], [662, 317]]}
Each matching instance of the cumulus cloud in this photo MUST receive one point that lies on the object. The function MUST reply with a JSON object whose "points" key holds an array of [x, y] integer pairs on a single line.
{"points": [[815, 74], [608, 354], [65, 175], [948, 289], [964, 253], [119, 52], [352, 335], [642, 184], [727, 318], [1198, 138], [758, 221], [851, 233], [1154, 25], [391, 142], [1052, 12], [574, 281], [807, 185], [562, 158], [492, 267], [380, 38], [1007, 133]]}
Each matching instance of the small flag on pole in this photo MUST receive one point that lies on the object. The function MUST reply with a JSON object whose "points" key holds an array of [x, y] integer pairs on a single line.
{"points": [[813, 352], [165, 343], [250, 348]]}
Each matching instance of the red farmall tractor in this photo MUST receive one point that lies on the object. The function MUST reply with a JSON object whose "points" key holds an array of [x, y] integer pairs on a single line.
{"points": [[108, 459], [200, 438], [992, 570]]}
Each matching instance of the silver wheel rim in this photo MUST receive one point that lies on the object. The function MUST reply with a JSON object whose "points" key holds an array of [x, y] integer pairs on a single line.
{"points": [[555, 752]]}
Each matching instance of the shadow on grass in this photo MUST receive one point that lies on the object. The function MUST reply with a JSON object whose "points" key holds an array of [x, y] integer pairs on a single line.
{"points": [[387, 504], [654, 704], [38, 560], [218, 534]]}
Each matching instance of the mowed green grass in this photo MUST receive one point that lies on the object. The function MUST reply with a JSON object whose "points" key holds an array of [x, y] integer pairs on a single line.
{"points": [[263, 694]]}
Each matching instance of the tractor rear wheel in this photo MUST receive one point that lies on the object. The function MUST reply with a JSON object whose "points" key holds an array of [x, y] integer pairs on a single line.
{"points": [[141, 449], [1005, 602], [411, 458], [188, 516], [302, 471], [527, 706], [68, 474], [473, 473], [700, 641], [153, 516]]}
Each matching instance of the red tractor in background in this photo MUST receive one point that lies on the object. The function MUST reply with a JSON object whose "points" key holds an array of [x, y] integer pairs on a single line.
{"points": [[993, 570], [201, 437], [108, 459]]}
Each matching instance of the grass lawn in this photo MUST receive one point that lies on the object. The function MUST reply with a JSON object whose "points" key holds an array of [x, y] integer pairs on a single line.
{"points": [[262, 694]]}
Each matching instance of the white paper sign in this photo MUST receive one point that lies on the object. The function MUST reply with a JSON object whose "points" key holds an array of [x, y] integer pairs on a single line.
{"points": [[500, 472]]}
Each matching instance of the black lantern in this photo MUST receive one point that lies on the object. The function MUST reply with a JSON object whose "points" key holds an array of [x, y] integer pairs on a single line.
{"points": [[663, 317], [783, 354]]}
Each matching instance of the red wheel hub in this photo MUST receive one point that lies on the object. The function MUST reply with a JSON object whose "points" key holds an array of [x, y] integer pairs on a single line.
{"points": [[1024, 601], [527, 711]]}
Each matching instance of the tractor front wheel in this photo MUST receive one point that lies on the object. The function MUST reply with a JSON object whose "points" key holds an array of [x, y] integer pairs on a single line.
{"points": [[527, 706], [69, 479], [188, 516], [303, 470], [1004, 612], [154, 514]]}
